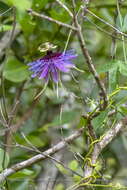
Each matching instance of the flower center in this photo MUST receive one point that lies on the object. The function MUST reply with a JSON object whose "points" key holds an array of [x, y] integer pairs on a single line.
{"points": [[49, 52], [51, 56]]}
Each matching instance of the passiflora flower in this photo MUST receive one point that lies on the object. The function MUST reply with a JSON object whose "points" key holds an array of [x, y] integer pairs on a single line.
{"points": [[50, 65]]}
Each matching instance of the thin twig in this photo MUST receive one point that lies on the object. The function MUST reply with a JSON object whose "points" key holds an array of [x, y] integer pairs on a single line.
{"points": [[105, 140], [35, 149], [5, 112], [6, 39], [30, 11], [39, 157], [13, 27], [48, 175], [89, 61], [1, 14], [105, 22], [106, 6], [65, 7], [102, 30]]}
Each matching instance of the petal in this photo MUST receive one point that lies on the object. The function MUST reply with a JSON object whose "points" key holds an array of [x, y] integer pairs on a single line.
{"points": [[36, 64], [69, 64], [34, 67], [61, 66], [38, 69], [47, 78], [45, 71], [54, 73], [32, 63], [33, 75], [70, 54], [71, 51], [67, 57]]}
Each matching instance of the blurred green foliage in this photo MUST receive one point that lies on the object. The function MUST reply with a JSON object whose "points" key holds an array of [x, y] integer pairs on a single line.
{"points": [[51, 119]]}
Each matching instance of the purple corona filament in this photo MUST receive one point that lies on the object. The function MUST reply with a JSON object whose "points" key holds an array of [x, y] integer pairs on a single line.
{"points": [[51, 64]]}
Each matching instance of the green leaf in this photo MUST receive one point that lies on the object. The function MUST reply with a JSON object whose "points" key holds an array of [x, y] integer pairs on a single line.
{"points": [[36, 140], [98, 121], [25, 22], [67, 117], [105, 67], [61, 15], [20, 184], [82, 122], [124, 28], [38, 5], [21, 5], [4, 159], [62, 169], [119, 22], [113, 79], [21, 174], [22, 17], [124, 140], [121, 98], [21, 14], [123, 69], [73, 165], [15, 71], [123, 110], [59, 186], [5, 27]]}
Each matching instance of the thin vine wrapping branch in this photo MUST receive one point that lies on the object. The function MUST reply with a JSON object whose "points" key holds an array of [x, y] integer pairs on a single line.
{"points": [[98, 147], [106, 139]]}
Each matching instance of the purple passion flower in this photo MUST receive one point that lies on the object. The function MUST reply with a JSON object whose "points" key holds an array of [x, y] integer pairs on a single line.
{"points": [[50, 65]]}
